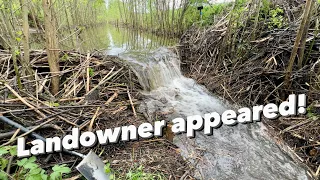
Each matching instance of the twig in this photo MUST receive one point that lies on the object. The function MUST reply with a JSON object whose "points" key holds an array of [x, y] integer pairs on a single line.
{"points": [[11, 158], [75, 177], [133, 109], [115, 95], [96, 114], [33, 129], [11, 133], [23, 100], [88, 73]]}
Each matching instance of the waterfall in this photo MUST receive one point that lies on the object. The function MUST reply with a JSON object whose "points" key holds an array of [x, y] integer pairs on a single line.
{"points": [[155, 70], [240, 152]]}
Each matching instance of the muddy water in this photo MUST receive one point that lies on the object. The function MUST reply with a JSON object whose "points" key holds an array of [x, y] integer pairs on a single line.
{"points": [[240, 152]]}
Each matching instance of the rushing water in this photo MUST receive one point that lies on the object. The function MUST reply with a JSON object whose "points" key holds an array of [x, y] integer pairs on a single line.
{"points": [[240, 152]]}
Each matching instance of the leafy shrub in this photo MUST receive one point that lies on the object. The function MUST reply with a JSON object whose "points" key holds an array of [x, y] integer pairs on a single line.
{"points": [[27, 168]]}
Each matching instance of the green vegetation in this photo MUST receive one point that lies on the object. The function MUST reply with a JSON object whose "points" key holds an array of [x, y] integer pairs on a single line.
{"points": [[26, 168], [312, 114], [169, 17], [139, 174], [136, 173], [162, 17]]}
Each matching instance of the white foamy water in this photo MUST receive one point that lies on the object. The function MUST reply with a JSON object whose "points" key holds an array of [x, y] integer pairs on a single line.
{"points": [[240, 152]]}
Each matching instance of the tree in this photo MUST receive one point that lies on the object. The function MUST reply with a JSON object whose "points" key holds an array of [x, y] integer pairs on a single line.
{"points": [[52, 43], [297, 43], [26, 49]]}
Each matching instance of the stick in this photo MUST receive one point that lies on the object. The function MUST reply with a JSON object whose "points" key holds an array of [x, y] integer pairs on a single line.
{"points": [[11, 133], [88, 74], [105, 79], [115, 95], [11, 158], [133, 109], [71, 99], [96, 114], [24, 101], [67, 121], [122, 108], [27, 133], [75, 177], [25, 129], [42, 85]]}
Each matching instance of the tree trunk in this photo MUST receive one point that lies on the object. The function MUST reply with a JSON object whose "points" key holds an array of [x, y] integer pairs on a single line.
{"points": [[296, 44], [51, 44], [11, 43], [304, 37], [25, 39]]}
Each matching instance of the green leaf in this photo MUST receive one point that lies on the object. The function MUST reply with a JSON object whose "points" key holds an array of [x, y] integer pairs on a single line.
{"points": [[11, 96], [13, 150], [43, 175], [53, 104], [3, 175], [58, 171], [91, 72], [19, 33], [61, 169], [35, 171], [28, 163], [3, 151], [18, 39], [17, 52], [32, 159], [107, 168], [34, 177], [22, 162], [3, 163], [65, 57], [56, 104], [55, 176]]}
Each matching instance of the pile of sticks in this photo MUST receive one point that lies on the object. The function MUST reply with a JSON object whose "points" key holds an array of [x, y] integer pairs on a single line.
{"points": [[85, 79], [247, 65], [97, 92]]}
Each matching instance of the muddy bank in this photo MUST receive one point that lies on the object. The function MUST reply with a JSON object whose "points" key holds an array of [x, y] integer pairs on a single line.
{"points": [[96, 93]]}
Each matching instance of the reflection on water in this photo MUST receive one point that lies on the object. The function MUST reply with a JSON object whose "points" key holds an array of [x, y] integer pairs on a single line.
{"points": [[106, 37], [123, 40]]}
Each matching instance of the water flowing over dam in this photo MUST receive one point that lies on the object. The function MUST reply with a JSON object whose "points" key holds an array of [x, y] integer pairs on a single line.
{"points": [[239, 152]]}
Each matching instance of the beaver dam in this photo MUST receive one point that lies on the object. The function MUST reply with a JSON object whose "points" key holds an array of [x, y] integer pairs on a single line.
{"points": [[109, 101], [92, 76]]}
